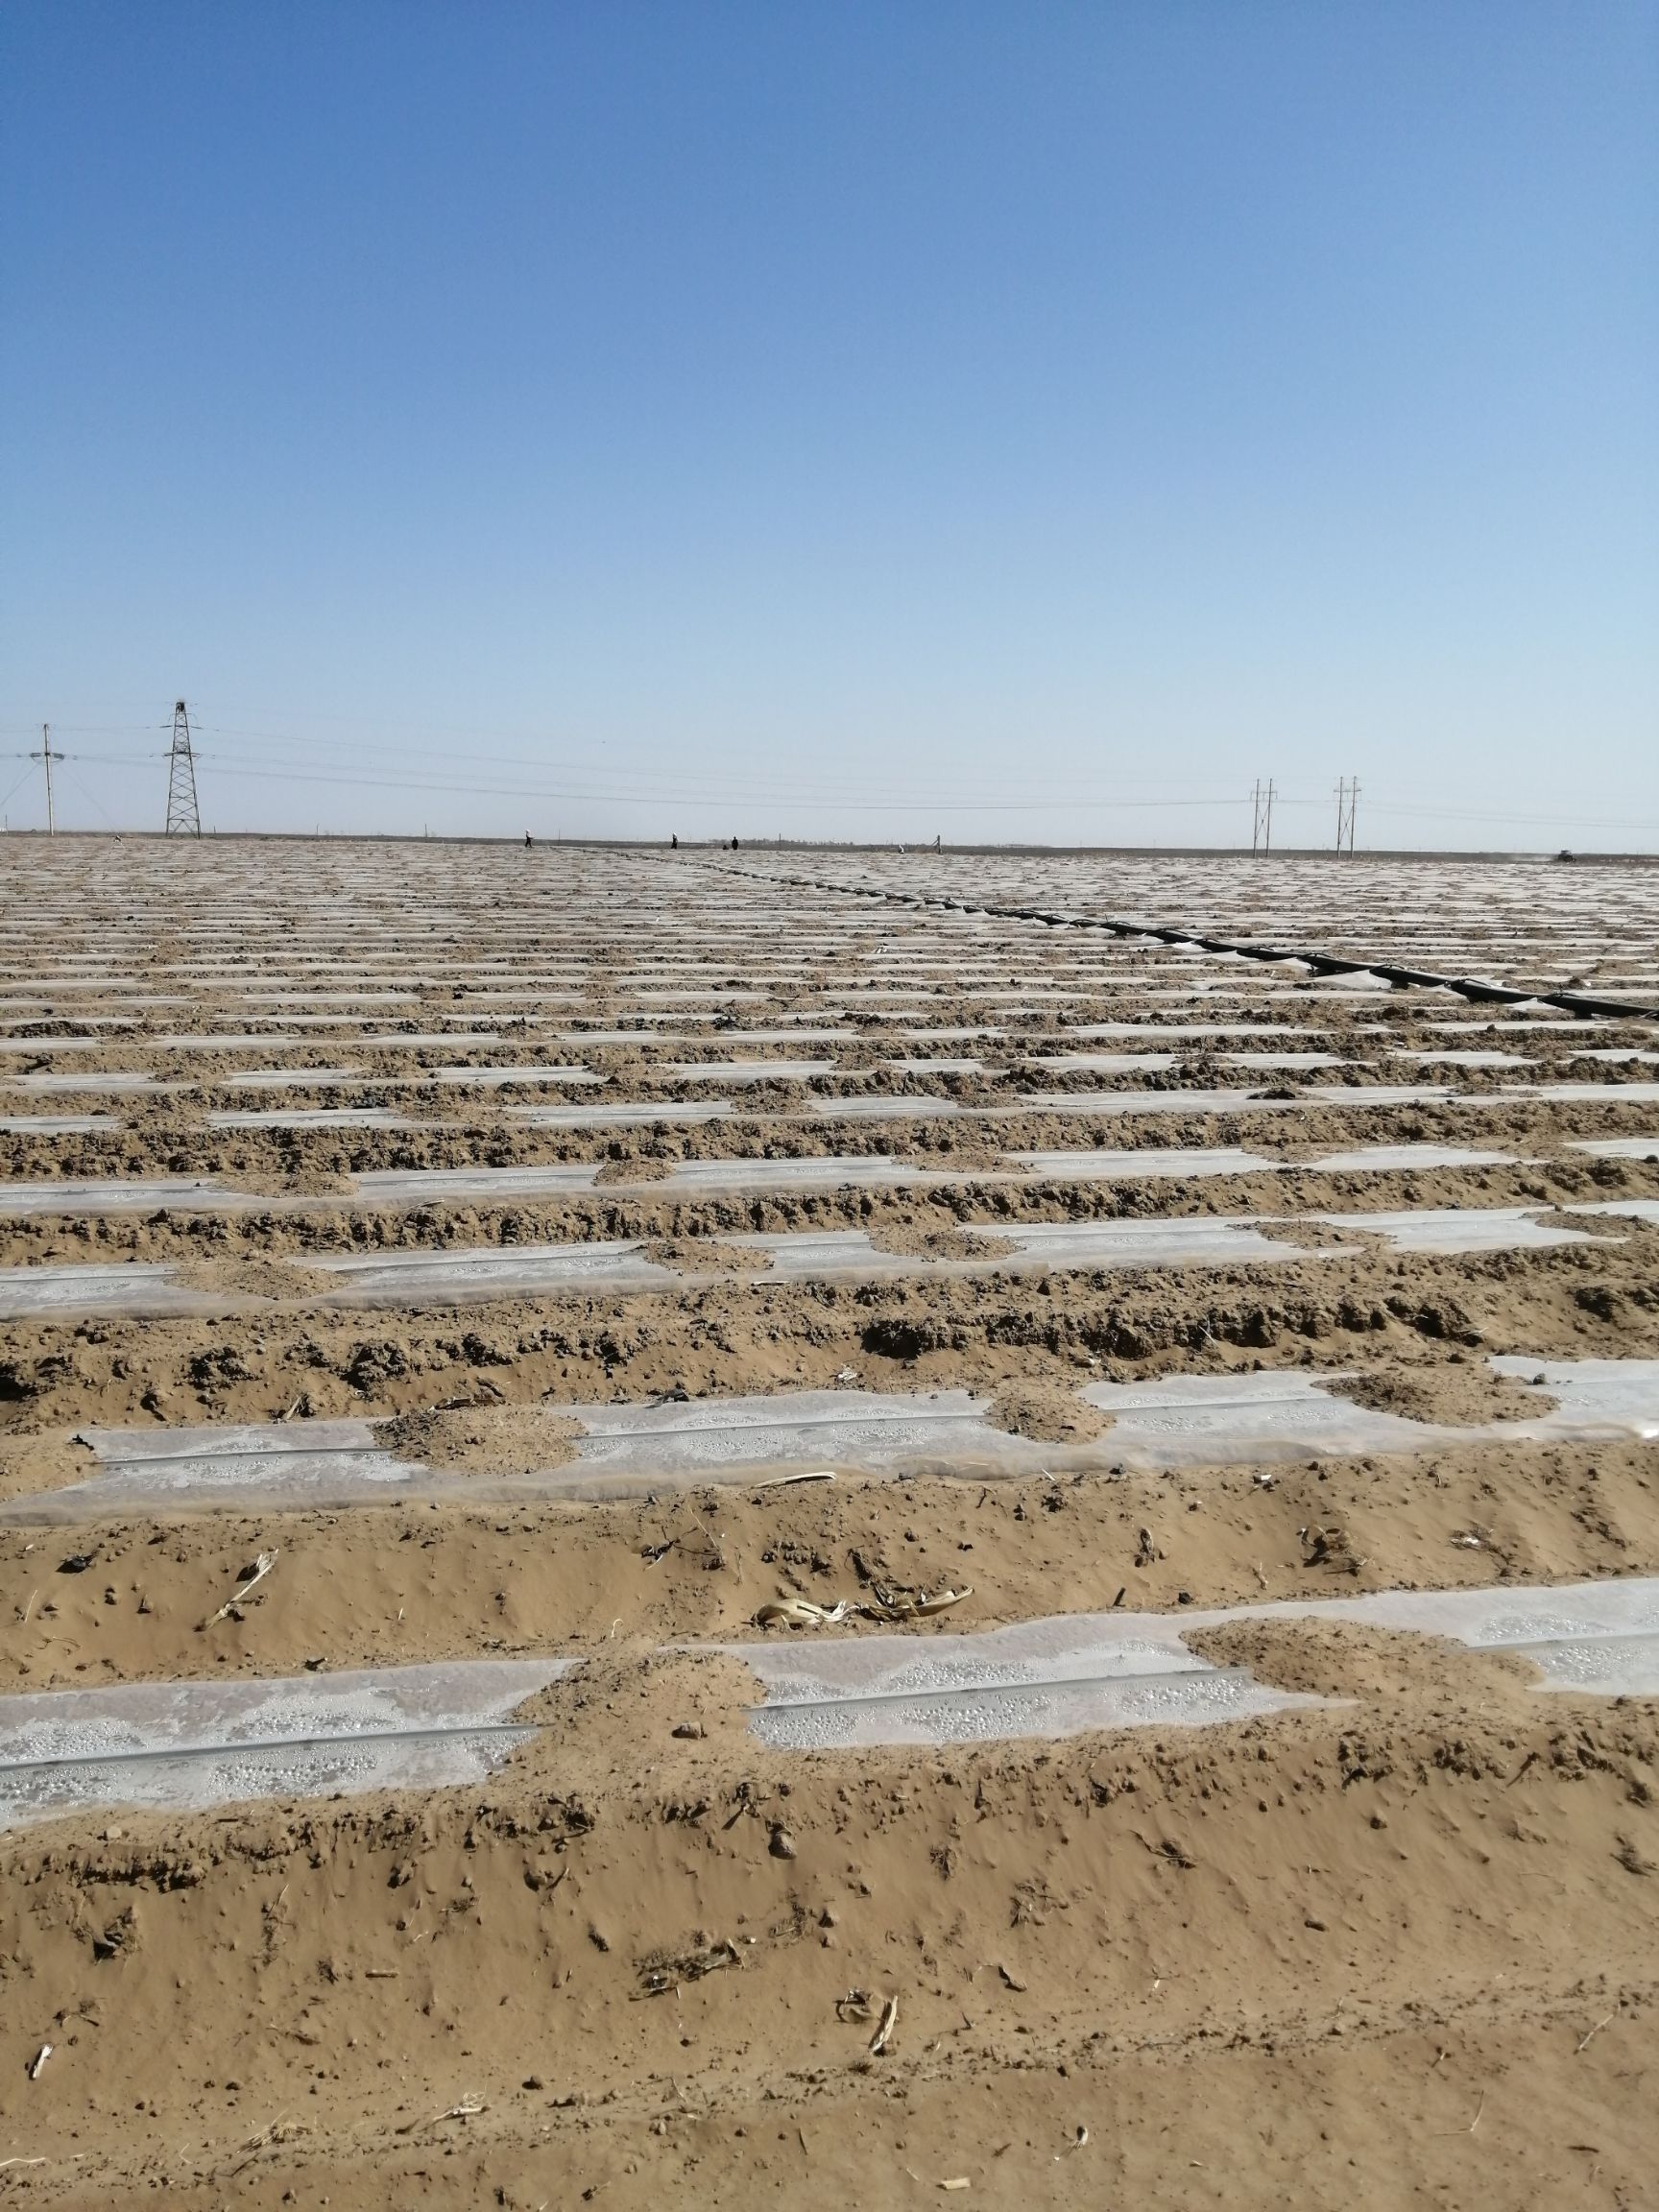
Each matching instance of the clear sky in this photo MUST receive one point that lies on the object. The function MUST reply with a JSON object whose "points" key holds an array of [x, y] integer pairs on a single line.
{"points": [[1029, 420]]}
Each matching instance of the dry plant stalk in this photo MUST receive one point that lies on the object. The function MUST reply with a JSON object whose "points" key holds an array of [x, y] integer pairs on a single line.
{"points": [[786, 1612], [262, 1566]]}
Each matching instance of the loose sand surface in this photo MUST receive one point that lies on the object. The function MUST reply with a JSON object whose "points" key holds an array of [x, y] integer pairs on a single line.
{"points": [[1396, 1947]]}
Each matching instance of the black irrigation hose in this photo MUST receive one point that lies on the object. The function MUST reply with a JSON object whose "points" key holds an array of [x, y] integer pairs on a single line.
{"points": [[1321, 963]]}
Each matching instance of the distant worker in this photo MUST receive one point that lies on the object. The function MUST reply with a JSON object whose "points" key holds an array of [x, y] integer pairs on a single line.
{"points": [[674, 844], [734, 844], [527, 840]]}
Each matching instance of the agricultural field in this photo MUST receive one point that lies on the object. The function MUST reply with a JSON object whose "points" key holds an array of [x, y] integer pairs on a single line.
{"points": [[777, 1524]]}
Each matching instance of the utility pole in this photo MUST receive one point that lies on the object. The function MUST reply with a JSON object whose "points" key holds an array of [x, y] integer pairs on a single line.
{"points": [[1262, 817], [47, 756], [1347, 806], [183, 815]]}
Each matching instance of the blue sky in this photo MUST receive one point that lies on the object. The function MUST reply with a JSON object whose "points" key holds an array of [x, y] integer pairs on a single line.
{"points": [[1004, 421]]}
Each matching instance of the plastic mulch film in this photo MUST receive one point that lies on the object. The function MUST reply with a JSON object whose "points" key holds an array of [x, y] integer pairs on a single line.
{"points": [[67, 1195], [1463, 1228], [1060, 1677], [1257, 1417], [1130, 1166], [943, 1431], [133, 1287], [280, 1466], [182, 1746], [488, 1271]]}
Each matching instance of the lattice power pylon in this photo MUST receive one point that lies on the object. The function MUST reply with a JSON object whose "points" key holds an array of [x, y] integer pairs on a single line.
{"points": [[183, 815], [1347, 808]]}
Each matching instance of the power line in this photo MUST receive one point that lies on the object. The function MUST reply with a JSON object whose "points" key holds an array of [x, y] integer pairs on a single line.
{"points": [[603, 781], [93, 800], [14, 789], [739, 793], [739, 786]]}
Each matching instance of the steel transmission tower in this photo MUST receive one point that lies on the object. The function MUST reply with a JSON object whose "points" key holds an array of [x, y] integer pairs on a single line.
{"points": [[1347, 806], [1262, 817], [183, 815]]}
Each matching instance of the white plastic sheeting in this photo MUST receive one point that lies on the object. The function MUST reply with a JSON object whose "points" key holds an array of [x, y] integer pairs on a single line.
{"points": [[267, 1464], [294, 1078], [57, 1125], [51, 1045], [1284, 1059], [1061, 1676], [626, 1114], [1254, 1418], [1210, 1420], [741, 1070], [490, 1271], [142, 1194], [1594, 1398], [1106, 1063], [1118, 1102], [1199, 1420], [77, 1082], [1463, 1056], [1039, 1678], [869, 1106], [1186, 1032], [134, 1287], [494, 1078], [693, 1179], [184, 1745], [188, 1746], [823, 1172], [1384, 1095], [1380, 1159], [1627, 1209], [1106, 1165], [1203, 1240], [1600, 1093], [1619, 1147], [804, 1254], [1463, 1229], [866, 1105], [700, 1437], [310, 1118], [468, 1273], [423, 1186]]}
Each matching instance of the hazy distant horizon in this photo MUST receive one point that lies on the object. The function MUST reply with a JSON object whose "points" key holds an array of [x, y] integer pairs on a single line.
{"points": [[510, 841]]}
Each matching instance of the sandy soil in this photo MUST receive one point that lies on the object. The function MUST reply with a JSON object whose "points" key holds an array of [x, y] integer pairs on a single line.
{"points": [[483, 1435], [1394, 1950], [1049, 1412], [378, 1585], [1391, 1951], [1457, 1389]]}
